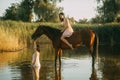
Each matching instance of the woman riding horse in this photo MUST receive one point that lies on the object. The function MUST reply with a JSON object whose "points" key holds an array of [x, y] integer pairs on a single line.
{"points": [[67, 29]]}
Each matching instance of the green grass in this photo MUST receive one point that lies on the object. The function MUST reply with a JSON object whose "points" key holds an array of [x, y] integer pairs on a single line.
{"points": [[16, 35]]}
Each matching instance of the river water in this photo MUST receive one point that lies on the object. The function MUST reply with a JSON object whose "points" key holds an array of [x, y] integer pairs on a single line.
{"points": [[76, 65]]}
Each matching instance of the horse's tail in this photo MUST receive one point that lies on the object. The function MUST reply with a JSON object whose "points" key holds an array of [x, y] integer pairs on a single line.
{"points": [[95, 47]]}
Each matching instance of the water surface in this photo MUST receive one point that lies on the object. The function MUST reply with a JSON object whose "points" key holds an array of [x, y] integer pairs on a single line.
{"points": [[76, 65]]}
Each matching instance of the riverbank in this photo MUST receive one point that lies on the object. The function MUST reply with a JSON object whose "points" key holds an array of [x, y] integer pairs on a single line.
{"points": [[16, 35]]}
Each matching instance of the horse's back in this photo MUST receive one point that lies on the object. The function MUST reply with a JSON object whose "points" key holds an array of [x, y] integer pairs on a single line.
{"points": [[86, 33], [83, 35]]}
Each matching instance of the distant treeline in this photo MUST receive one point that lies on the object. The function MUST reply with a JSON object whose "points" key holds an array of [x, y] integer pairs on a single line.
{"points": [[17, 35]]}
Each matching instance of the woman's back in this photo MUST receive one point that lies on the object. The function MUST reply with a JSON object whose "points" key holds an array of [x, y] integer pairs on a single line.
{"points": [[68, 31], [35, 59]]}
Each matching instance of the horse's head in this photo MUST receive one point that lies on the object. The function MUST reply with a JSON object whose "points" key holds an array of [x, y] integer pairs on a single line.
{"points": [[37, 33]]}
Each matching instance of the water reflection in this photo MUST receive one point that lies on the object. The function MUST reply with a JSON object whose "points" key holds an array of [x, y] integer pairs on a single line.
{"points": [[58, 73], [76, 65], [69, 66], [110, 68], [77, 69], [93, 74]]}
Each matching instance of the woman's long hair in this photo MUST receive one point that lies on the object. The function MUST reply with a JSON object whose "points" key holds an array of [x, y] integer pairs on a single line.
{"points": [[38, 48], [61, 19]]}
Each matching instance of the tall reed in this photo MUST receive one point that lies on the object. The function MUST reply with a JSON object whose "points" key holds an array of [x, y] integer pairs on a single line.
{"points": [[16, 35]]}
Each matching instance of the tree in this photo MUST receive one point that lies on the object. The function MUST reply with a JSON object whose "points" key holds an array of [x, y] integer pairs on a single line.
{"points": [[97, 19], [11, 12], [108, 10], [25, 10], [117, 18], [46, 10], [83, 21], [22, 11]]}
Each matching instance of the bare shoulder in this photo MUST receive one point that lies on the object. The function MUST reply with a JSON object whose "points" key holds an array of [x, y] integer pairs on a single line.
{"points": [[37, 52]]}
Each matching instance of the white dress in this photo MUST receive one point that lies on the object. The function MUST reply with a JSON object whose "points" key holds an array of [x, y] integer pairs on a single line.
{"points": [[37, 63], [68, 32]]}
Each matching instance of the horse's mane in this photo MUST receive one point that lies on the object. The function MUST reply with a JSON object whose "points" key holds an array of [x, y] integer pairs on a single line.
{"points": [[54, 31]]}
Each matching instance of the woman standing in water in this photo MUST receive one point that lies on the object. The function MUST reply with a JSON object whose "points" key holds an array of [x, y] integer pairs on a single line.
{"points": [[35, 57], [35, 62], [67, 29]]}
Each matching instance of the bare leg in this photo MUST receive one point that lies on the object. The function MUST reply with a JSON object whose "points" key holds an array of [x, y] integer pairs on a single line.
{"points": [[66, 42]]}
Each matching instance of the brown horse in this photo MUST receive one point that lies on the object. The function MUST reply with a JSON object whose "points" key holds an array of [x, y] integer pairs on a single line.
{"points": [[84, 36]]}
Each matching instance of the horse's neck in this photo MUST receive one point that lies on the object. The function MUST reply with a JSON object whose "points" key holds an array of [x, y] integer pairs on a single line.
{"points": [[49, 35], [53, 35]]}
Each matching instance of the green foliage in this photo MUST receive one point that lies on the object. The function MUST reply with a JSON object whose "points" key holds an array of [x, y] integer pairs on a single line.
{"points": [[11, 12], [22, 11], [108, 33], [25, 10], [16, 35], [108, 10], [83, 21], [97, 19], [46, 11]]}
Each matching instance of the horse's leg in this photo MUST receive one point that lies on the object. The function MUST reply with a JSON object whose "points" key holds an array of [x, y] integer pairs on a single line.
{"points": [[56, 54], [58, 74], [93, 56], [90, 48], [93, 60], [60, 53]]}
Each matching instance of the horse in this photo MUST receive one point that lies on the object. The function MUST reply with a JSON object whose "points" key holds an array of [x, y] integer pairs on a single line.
{"points": [[84, 36]]}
